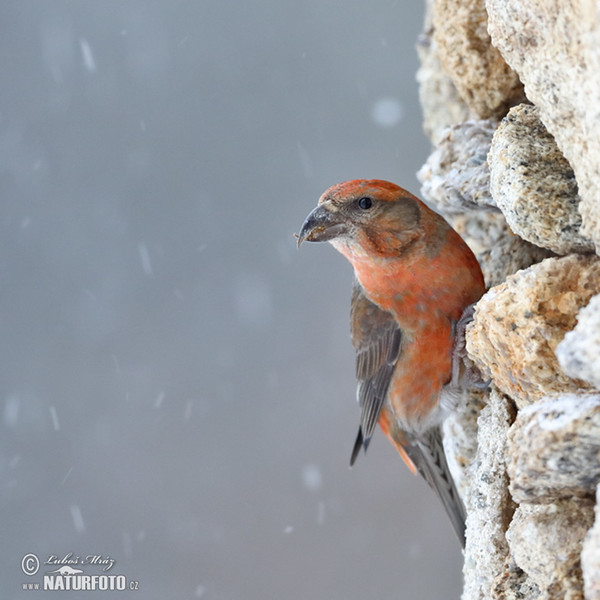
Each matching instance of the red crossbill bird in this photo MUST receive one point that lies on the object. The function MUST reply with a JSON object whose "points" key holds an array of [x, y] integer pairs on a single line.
{"points": [[415, 278]]}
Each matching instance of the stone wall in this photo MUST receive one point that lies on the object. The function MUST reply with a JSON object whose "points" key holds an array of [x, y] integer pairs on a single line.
{"points": [[511, 100]]}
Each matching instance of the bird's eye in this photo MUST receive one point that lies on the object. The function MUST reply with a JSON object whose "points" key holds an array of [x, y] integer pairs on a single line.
{"points": [[365, 203]]}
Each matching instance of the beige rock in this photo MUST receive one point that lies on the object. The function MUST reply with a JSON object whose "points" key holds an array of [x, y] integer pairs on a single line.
{"points": [[482, 77], [590, 556], [545, 541], [534, 185], [456, 176], [555, 48], [489, 506], [514, 584], [442, 106], [579, 352], [554, 449], [519, 323]]}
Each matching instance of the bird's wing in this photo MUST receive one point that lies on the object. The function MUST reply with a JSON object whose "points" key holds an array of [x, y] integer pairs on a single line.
{"points": [[377, 338]]}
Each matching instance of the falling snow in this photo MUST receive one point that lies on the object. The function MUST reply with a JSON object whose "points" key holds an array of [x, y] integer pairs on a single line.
{"points": [[88, 57], [54, 415], [77, 518], [145, 259], [311, 477], [159, 400], [11, 411], [67, 475], [172, 362], [387, 112]]}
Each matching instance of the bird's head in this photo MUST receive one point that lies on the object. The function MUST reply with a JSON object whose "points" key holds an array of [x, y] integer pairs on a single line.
{"points": [[371, 217]]}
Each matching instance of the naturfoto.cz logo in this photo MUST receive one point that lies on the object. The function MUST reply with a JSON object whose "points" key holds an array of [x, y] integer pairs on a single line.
{"points": [[65, 574]]}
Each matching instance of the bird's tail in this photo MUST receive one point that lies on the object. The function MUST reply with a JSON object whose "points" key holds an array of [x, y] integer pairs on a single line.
{"points": [[427, 453]]}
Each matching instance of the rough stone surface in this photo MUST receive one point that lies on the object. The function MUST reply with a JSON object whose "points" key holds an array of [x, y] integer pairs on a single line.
{"points": [[554, 449], [460, 437], [533, 184], [441, 103], [555, 48], [482, 77], [518, 324], [514, 584], [456, 176], [489, 505], [530, 319], [590, 556], [545, 541], [579, 352]]}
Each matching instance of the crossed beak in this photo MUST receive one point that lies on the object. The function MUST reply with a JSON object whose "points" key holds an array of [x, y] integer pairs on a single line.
{"points": [[321, 225]]}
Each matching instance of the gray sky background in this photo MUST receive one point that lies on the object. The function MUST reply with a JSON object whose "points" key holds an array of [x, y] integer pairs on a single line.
{"points": [[177, 379]]}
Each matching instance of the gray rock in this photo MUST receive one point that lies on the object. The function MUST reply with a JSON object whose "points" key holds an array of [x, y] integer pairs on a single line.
{"points": [[489, 506], [579, 352], [554, 449], [590, 556], [533, 184], [456, 176], [555, 49], [545, 541]]}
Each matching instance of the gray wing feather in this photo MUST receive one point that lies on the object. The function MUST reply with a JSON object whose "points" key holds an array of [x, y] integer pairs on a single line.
{"points": [[377, 339]]}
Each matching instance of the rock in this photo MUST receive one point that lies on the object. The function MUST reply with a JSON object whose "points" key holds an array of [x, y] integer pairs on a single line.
{"points": [[545, 541], [519, 323], [590, 556], [554, 449], [456, 176], [579, 352], [514, 584], [481, 76], [533, 184], [555, 48], [441, 103], [460, 437], [489, 505]]}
